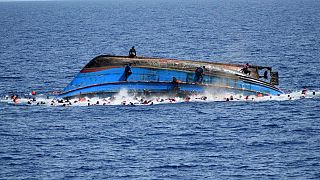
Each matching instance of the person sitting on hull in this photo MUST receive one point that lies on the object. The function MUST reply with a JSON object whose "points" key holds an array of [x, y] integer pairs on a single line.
{"points": [[199, 74], [132, 52]]}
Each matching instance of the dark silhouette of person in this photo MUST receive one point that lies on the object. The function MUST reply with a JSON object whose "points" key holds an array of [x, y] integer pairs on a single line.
{"points": [[127, 71], [175, 83], [199, 74], [246, 70], [132, 52], [265, 75]]}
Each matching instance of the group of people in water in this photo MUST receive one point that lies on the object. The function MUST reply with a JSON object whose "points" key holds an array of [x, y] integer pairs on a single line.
{"points": [[146, 99]]}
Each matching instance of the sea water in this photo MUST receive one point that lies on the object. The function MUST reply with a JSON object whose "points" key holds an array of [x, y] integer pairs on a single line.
{"points": [[43, 45]]}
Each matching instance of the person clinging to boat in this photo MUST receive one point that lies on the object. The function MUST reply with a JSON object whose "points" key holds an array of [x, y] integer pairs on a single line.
{"points": [[245, 69], [132, 52], [199, 72], [175, 83], [127, 71]]}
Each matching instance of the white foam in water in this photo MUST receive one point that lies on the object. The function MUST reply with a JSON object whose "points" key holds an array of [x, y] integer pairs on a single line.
{"points": [[124, 98]]}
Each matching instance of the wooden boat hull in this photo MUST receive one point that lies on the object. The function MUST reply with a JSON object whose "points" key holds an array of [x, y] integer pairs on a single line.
{"points": [[104, 75]]}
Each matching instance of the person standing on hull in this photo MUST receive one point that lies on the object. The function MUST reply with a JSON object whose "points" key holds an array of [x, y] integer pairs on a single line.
{"points": [[199, 72], [132, 52]]}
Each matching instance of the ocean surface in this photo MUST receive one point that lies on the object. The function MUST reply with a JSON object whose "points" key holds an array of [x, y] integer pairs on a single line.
{"points": [[43, 45]]}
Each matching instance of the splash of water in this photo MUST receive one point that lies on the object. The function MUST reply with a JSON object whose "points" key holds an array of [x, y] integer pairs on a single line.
{"points": [[124, 98]]}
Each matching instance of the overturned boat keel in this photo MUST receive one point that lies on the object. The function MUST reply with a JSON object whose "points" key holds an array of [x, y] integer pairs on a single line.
{"points": [[106, 75]]}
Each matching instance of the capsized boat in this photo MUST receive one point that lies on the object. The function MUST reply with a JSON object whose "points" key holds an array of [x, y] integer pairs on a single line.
{"points": [[106, 75]]}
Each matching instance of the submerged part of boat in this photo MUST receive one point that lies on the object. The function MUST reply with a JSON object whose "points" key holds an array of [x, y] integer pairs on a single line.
{"points": [[106, 75]]}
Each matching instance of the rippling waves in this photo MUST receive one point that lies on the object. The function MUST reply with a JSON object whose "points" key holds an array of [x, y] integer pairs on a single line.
{"points": [[43, 45]]}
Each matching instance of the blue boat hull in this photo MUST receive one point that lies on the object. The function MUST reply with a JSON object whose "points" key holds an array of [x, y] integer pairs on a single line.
{"points": [[109, 79], [110, 89]]}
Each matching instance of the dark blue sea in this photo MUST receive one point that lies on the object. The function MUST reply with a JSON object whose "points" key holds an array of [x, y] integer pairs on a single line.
{"points": [[44, 44]]}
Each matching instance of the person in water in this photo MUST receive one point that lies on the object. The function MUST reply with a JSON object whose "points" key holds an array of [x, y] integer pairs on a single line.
{"points": [[127, 71], [132, 52], [304, 91], [199, 74]]}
